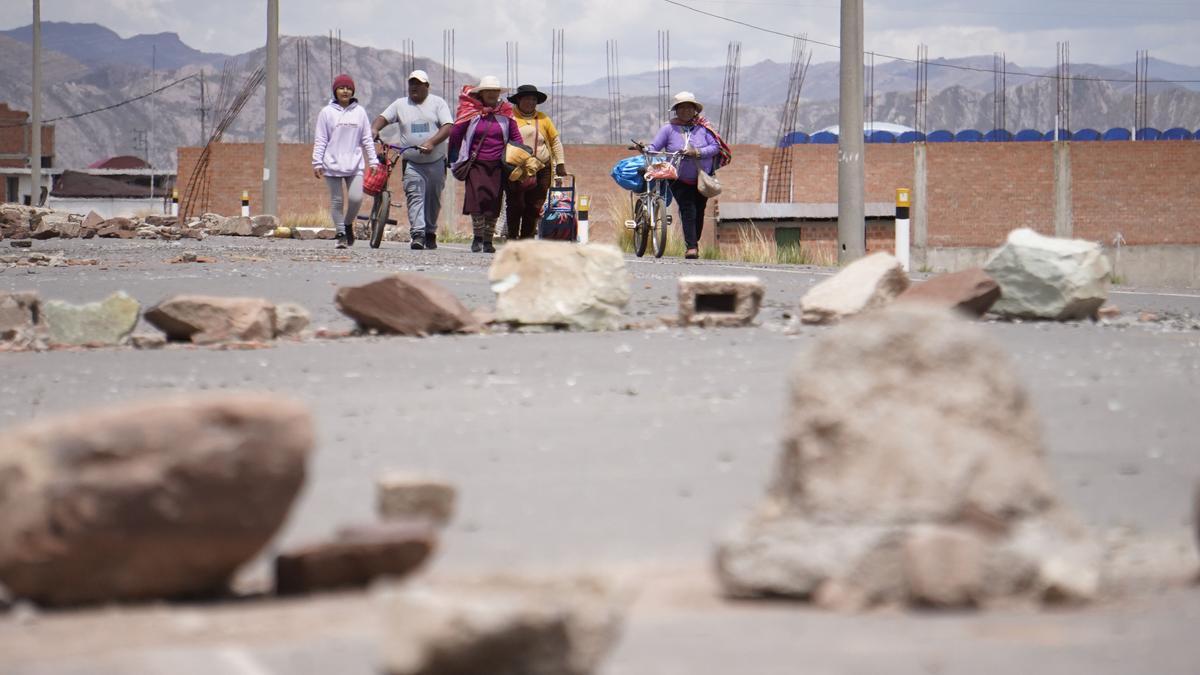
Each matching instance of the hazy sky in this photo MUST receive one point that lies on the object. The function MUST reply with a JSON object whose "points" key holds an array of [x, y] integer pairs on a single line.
{"points": [[1100, 31]]}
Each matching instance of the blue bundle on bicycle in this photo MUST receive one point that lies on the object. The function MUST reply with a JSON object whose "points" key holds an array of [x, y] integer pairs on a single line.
{"points": [[628, 173]]}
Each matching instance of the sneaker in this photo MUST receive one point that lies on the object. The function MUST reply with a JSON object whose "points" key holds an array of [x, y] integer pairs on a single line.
{"points": [[341, 240], [350, 235], [430, 240], [418, 242], [488, 248], [477, 245]]}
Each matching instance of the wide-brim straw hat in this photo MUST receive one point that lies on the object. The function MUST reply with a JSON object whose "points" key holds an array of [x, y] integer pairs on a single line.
{"points": [[487, 82], [526, 90], [687, 97]]}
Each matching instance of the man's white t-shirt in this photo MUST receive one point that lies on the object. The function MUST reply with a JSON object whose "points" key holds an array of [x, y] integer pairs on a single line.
{"points": [[414, 124]]}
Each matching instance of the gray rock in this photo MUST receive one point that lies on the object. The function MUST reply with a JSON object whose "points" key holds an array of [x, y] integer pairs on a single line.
{"points": [[1048, 278], [406, 304], [560, 284], [865, 284], [502, 626], [205, 319], [148, 340], [290, 319], [98, 323], [237, 226], [902, 420], [147, 500]]}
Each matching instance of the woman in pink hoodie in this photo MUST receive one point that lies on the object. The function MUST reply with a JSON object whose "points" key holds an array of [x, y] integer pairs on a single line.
{"points": [[341, 140]]}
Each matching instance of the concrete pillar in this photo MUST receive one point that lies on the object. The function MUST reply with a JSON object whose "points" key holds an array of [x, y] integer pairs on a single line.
{"points": [[1063, 226], [35, 120], [271, 140], [852, 236], [920, 214], [448, 216]]}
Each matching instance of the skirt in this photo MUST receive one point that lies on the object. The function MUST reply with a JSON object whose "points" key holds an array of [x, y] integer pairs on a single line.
{"points": [[483, 189]]}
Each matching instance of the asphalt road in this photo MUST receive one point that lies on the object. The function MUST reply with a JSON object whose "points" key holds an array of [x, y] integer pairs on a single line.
{"points": [[624, 453]]}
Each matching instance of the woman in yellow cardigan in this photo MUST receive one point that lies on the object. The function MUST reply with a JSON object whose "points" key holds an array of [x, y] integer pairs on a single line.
{"points": [[524, 201]]}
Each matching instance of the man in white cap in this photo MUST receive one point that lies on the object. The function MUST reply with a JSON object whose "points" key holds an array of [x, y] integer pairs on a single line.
{"points": [[424, 121]]}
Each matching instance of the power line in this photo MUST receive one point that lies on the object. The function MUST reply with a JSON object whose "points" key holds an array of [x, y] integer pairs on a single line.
{"points": [[108, 107], [831, 45]]}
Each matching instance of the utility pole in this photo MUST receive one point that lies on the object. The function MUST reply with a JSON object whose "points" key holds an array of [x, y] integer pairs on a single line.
{"points": [[35, 122], [271, 141], [852, 243]]}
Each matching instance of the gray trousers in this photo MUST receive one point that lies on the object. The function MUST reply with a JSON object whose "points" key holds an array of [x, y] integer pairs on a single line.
{"points": [[423, 185], [352, 198]]}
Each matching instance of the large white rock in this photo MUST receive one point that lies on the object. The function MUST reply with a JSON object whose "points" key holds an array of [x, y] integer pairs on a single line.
{"points": [[503, 626], [866, 283], [1048, 278], [561, 284], [901, 420]]}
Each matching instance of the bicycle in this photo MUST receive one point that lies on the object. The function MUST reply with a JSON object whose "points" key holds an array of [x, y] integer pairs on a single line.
{"points": [[378, 220], [650, 220]]}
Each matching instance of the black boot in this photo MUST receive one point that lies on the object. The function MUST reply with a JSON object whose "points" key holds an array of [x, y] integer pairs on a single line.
{"points": [[477, 244], [430, 240]]}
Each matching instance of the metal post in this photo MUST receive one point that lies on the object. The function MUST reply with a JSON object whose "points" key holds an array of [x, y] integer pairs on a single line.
{"points": [[271, 138], [902, 231], [35, 122], [852, 243]]}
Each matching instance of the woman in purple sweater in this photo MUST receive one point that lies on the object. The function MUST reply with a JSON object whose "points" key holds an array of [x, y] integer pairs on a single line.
{"points": [[481, 130], [687, 131], [341, 147]]}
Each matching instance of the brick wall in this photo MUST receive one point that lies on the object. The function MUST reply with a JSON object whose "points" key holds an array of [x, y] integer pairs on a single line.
{"points": [[977, 192], [14, 137], [1147, 191]]}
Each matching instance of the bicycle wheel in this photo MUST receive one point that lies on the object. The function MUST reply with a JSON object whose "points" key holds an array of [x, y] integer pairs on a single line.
{"points": [[641, 232], [660, 225], [379, 216]]}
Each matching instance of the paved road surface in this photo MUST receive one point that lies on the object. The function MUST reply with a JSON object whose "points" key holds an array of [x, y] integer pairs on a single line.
{"points": [[623, 452]]}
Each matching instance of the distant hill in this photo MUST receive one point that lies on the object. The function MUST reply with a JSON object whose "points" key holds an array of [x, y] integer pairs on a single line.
{"points": [[94, 44], [87, 67]]}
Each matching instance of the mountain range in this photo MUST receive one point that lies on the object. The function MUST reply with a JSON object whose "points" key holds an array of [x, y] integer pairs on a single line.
{"points": [[87, 67]]}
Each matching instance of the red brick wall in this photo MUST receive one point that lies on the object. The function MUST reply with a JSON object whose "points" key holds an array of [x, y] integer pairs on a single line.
{"points": [[1147, 191], [978, 192], [13, 137]]}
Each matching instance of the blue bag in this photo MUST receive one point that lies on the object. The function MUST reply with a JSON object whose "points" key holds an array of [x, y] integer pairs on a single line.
{"points": [[628, 173]]}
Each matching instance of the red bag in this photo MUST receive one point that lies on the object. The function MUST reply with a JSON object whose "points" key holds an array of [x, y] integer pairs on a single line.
{"points": [[375, 180]]}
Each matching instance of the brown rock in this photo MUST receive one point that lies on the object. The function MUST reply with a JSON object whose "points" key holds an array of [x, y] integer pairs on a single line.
{"points": [[117, 228], [326, 233], [263, 226], [969, 291], [290, 319], [147, 500], [162, 220], [92, 221], [304, 233], [206, 319], [407, 304], [1108, 312], [402, 496], [354, 558]]}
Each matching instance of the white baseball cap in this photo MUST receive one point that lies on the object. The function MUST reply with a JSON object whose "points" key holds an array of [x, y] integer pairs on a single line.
{"points": [[419, 75]]}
